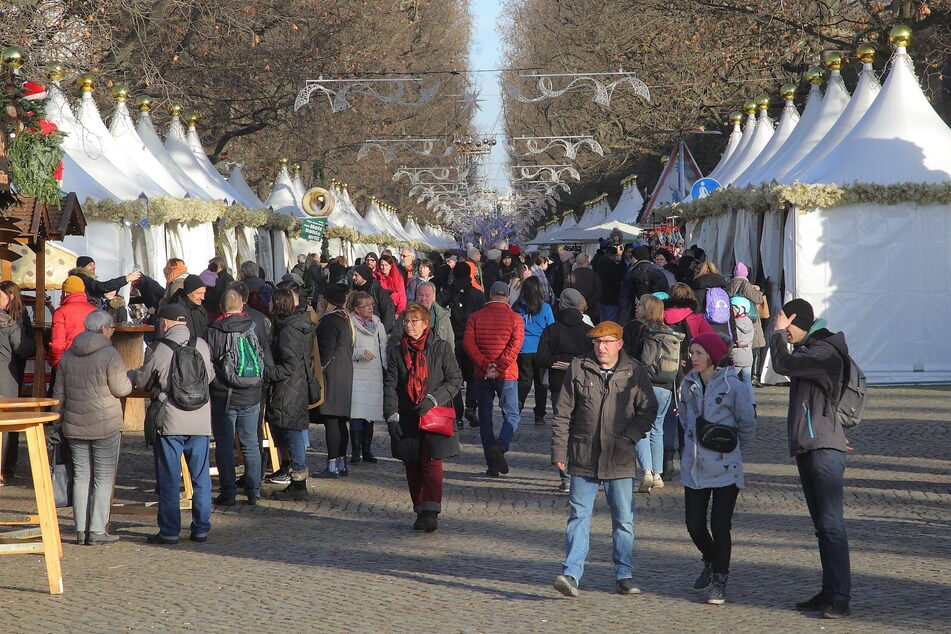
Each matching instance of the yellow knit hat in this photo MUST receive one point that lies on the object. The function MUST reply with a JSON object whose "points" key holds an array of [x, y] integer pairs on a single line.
{"points": [[74, 284]]}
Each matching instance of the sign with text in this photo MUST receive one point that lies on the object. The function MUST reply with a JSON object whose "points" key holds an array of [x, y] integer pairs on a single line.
{"points": [[313, 228]]}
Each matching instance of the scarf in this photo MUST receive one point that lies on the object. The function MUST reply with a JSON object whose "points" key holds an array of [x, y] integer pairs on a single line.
{"points": [[174, 272], [417, 371]]}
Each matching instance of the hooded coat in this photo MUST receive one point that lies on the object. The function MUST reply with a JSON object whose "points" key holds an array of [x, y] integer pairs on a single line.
{"points": [[726, 400], [217, 337], [335, 340], [366, 402], [564, 340], [90, 380], [287, 406], [814, 369], [67, 324]]}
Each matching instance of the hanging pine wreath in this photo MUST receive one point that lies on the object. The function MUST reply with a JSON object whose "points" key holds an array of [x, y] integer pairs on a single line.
{"points": [[36, 152]]}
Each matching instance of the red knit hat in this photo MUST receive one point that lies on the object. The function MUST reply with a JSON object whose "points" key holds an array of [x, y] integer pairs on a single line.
{"points": [[713, 344], [515, 249]]}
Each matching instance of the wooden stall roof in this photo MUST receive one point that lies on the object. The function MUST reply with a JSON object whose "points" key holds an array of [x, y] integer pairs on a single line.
{"points": [[40, 221]]}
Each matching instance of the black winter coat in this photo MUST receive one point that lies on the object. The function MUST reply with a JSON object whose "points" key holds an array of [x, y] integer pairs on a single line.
{"points": [[445, 381], [611, 274], [463, 301], [383, 306], [287, 407], [564, 340], [335, 342], [217, 338], [640, 279], [197, 319], [588, 283]]}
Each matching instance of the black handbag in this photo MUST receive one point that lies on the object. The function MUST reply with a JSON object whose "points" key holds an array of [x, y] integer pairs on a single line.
{"points": [[719, 438]]}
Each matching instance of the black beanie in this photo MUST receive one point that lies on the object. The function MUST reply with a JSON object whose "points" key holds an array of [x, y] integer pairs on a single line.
{"points": [[192, 283], [364, 271], [83, 261], [805, 316], [641, 253]]}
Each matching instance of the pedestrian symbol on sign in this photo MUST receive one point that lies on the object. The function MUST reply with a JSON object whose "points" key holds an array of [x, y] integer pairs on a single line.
{"points": [[703, 188]]}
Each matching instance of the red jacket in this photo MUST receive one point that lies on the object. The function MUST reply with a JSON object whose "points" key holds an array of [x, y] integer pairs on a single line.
{"points": [[494, 334], [67, 323]]}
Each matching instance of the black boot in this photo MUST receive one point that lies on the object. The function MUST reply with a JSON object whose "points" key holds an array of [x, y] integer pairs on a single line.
{"points": [[355, 452], [430, 521], [296, 491], [668, 473], [366, 442]]}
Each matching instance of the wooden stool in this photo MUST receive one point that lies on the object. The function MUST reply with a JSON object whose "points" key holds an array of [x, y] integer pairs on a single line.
{"points": [[31, 423]]}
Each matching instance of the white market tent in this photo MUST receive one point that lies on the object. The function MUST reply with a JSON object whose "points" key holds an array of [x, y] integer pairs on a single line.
{"points": [[127, 139], [569, 223], [240, 185], [622, 217], [743, 158], [156, 147], [413, 231], [728, 167], [596, 212], [787, 123], [735, 137]]}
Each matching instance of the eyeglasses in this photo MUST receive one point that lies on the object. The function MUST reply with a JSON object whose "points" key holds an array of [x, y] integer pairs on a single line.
{"points": [[413, 321], [604, 342]]}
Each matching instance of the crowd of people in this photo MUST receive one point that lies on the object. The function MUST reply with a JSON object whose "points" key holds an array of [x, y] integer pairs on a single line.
{"points": [[643, 355]]}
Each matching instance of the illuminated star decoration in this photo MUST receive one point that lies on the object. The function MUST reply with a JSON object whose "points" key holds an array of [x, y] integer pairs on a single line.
{"points": [[470, 100]]}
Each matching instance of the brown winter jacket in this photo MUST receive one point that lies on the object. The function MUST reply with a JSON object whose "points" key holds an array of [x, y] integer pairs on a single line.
{"points": [[596, 423], [494, 334], [89, 382]]}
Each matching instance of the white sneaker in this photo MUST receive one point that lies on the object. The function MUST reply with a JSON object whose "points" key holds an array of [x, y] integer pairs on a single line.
{"points": [[646, 483], [658, 482]]}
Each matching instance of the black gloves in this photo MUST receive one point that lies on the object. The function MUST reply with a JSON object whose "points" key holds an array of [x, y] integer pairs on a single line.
{"points": [[393, 426], [426, 404]]}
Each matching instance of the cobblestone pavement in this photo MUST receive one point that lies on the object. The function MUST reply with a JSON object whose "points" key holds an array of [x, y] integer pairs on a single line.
{"points": [[347, 561]]}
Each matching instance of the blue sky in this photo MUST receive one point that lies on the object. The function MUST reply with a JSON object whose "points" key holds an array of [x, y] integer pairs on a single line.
{"points": [[486, 53]]}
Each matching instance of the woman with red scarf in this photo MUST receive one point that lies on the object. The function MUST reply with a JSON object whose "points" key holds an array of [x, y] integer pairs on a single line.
{"points": [[421, 373], [393, 281]]}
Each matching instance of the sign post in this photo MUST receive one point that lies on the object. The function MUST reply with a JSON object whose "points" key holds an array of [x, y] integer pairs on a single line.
{"points": [[703, 187]]}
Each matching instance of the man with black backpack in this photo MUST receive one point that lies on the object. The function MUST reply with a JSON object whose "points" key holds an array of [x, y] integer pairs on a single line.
{"points": [[177, 371], [642, 278], [236, 397], [817, 440]]}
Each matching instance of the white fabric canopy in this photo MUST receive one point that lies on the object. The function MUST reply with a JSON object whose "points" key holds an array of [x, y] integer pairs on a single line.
{"points": [[127, 140], [787, 123], [240, 185]]}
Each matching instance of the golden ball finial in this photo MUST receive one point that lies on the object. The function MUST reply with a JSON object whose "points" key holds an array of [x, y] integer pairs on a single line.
{"points": [[55, 71], [815, 75], [191, 119], [788, 91], [865, 53], [762, 102], [832, 60], [282, 162], [295, 168], [120, 93], [736, 118], [143, 103], [664, 159], [86, 82], [749, 106], [12, 58], [900, 35], [175, 109]]}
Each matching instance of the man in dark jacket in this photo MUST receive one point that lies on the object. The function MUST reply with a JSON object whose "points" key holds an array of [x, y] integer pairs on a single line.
{"points": [[463, 301], [192, 297], [383, 307], [606, 406], [611, 271], [587, 282], [492, 270], [235, 403], [86, 270], [817, 441], [641, 279]]}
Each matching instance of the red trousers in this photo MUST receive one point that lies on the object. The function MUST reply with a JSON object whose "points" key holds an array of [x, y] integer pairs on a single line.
{"points": [[424, 479]]}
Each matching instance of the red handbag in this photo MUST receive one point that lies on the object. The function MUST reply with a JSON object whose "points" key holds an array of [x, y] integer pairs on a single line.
{"points": [[439, 420]]}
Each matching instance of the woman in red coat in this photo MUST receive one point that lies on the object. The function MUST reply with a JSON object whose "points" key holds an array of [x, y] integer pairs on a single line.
{"points": [[392, 280], [68, 318]]}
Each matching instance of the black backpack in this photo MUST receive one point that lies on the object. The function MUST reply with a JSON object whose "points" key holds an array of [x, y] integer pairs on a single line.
{"points": [[188, 378], [853, 395]]}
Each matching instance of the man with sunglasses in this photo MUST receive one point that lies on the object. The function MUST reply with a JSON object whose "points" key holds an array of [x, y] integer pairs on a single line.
{"points": [[605, 406]]}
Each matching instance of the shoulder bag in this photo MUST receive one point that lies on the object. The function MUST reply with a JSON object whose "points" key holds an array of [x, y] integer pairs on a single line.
{"points": [[439, 420]]}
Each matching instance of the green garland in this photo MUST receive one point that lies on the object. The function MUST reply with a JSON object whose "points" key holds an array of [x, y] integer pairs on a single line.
{"points": [[163, 209], [34, 155], [805, 196]]}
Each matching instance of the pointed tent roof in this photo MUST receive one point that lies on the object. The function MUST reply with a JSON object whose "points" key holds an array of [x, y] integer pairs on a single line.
{"points": [[127, 139], [735, 137], [282, 200], [787, 123], [346, 215], [375, 217], [595, 214], [668, 189], [298, 183], [900, 139], [569, 222], [413, 231], [394, 221], [85, 173], [99, 142], [236, 180], [746, 156], [214, 176], [865, 93], [629, 204], [146, 131], [749, 130], [178, 148]]}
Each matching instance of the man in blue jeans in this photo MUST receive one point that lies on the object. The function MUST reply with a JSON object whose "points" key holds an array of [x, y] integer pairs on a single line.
{"points": [[236, 397], [493, 339], [186, 432], [817, 441], [606, 405]]}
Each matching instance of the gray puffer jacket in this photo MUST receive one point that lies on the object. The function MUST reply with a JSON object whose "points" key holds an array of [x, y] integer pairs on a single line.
{"points": [[158, 357], [725, 401], [90, 379], [597, 421]]}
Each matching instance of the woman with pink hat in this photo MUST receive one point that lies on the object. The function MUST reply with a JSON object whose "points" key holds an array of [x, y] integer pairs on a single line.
{"points": [[719, 423]]}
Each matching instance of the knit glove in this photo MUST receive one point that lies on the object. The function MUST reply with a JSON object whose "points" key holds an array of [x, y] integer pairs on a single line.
{"points": [[393, 426], [426, 404]]}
